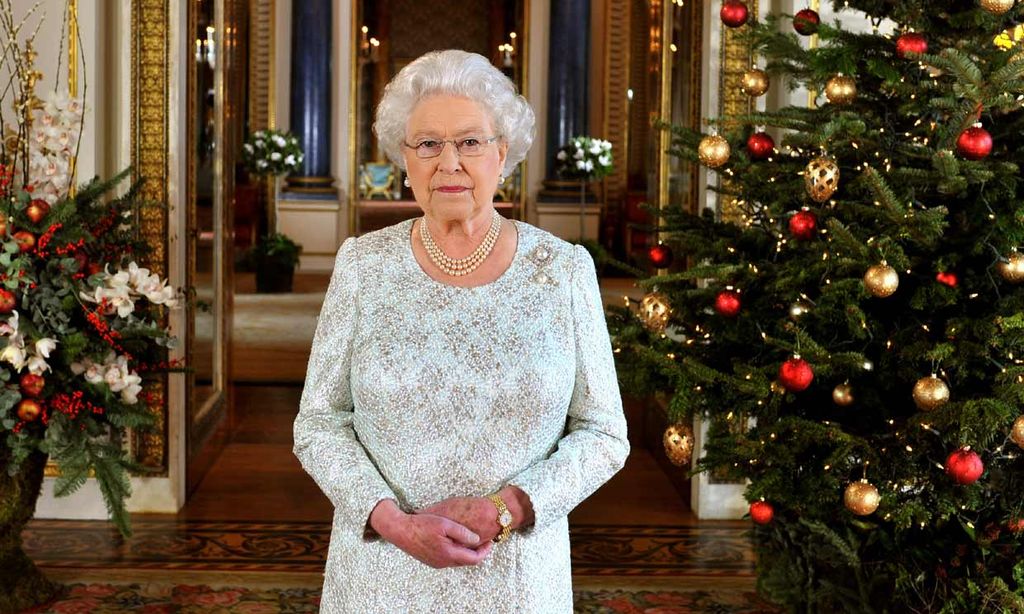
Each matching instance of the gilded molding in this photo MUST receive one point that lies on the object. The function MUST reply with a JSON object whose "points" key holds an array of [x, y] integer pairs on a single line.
{"points": [[616, 106], [150, 59], [735, 60]]}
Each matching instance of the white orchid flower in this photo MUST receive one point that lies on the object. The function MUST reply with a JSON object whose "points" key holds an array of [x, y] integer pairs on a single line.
{"points": [[290, 160], [45, 345], [37, 365], [595, 147], [605, 161], [14, 354], [275, 156], [588, 166], [562, 155]]}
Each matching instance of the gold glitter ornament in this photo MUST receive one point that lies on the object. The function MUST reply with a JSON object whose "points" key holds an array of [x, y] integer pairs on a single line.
{"points": [[654, 311], [841, 89], [996, 7], [1012, 270], [861, 498], [678, 440], [822, 178], [842, 395], [755, 82], [713, 151], [930, 393], [1017, 431], [882, 280]]}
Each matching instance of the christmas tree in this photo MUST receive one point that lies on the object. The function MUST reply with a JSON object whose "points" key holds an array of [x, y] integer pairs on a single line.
{"points": [[850, 322]]}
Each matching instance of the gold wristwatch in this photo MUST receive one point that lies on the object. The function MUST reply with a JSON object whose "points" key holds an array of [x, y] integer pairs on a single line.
{"points": [[504, 518]]}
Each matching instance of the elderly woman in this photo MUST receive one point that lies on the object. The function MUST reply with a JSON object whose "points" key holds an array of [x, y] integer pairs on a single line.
{"points": [[461, 396]]}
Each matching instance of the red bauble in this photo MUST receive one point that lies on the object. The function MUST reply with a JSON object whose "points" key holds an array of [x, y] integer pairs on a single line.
{"points": [[26, 240], [727, 303], [911, 42], [796, 374], [760, 145], [1015, 525], [948, 279], [7, 301], [964, 466], [974, 143], [29, 410], [37, 210], [734, 13], [761, 512], [660, 255], [32, 385], [803, 225], [806, 22]]}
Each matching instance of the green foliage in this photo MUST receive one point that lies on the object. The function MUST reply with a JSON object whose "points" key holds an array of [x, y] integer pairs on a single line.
{"points": [[906, 197]]}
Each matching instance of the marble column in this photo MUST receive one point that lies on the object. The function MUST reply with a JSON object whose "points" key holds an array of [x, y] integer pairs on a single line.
{"points": [[311, 95], [568, 66]]}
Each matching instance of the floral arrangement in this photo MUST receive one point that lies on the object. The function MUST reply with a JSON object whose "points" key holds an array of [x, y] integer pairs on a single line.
{"points": [[271, 152], [81, 322], [585, 158]]}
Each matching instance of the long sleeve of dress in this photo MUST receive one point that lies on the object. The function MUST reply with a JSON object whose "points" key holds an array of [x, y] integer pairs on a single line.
{"points": [[594, 446], [325, 441]]}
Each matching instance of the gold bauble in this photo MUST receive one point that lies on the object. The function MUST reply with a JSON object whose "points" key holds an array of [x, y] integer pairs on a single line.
{"points": [[841, 89], [1012, 270], [842, 395], [654, 311], [755, 82], [822, 178], [678, 440], [930, 393], [996, 7], [713, 151], [1017, 431], [861, 498], [881, 280]]}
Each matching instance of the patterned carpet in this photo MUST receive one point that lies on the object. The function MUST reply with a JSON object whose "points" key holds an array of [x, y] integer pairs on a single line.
{"points": [[705, 551], [152, 598]]}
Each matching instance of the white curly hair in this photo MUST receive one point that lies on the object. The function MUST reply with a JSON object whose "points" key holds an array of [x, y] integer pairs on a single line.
{"points": [[457, 73]]}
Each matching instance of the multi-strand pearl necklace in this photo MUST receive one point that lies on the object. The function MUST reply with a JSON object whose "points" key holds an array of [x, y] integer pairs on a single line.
{"points": [[457, 267]]}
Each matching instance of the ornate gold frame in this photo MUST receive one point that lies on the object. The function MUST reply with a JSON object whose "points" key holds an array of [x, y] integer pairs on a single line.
{"points": [[150, 59]]}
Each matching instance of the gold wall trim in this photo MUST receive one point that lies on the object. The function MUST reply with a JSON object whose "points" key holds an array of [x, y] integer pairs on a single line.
{"points": [[262, 59], [735, 60], [616, 108], [150, 62]]}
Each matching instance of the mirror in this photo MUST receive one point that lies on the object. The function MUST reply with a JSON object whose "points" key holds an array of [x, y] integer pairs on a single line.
{"points": [[393, 33], [206, 379]]}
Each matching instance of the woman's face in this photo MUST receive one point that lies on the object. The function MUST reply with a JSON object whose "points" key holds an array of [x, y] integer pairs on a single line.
{"points": [[450, 185]]}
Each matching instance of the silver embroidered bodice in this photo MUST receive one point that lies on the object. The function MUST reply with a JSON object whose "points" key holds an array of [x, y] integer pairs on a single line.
{"points": [[419, 391]]}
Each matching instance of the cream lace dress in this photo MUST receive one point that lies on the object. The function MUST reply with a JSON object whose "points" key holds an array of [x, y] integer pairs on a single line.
{"points": [[419, 391]]}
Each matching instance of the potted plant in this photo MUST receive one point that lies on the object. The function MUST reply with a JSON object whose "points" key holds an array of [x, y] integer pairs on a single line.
{"points": [[274, 258], [585, 159]]}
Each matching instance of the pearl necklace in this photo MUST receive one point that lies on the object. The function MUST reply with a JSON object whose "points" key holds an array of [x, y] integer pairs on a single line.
{"points": [[457, 267]]}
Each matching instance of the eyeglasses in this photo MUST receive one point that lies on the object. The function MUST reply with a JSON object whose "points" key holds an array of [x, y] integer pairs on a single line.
{"points": [[468, 146]]}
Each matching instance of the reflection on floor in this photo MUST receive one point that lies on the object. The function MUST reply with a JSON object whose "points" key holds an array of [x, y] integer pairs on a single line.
{"points": [[256, 511]]}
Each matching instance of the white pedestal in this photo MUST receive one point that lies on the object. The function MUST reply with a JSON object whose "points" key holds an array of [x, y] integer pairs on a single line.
{"points": [[563, 220], [315, 224]]}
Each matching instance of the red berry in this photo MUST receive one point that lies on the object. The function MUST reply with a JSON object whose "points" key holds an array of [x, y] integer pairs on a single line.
{"points": [[796, 374], [803, 225], [727, 303], [964, 466], [761, 512]]}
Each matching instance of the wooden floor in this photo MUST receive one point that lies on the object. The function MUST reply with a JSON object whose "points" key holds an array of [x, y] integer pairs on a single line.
{"points": [[258, 478]]}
